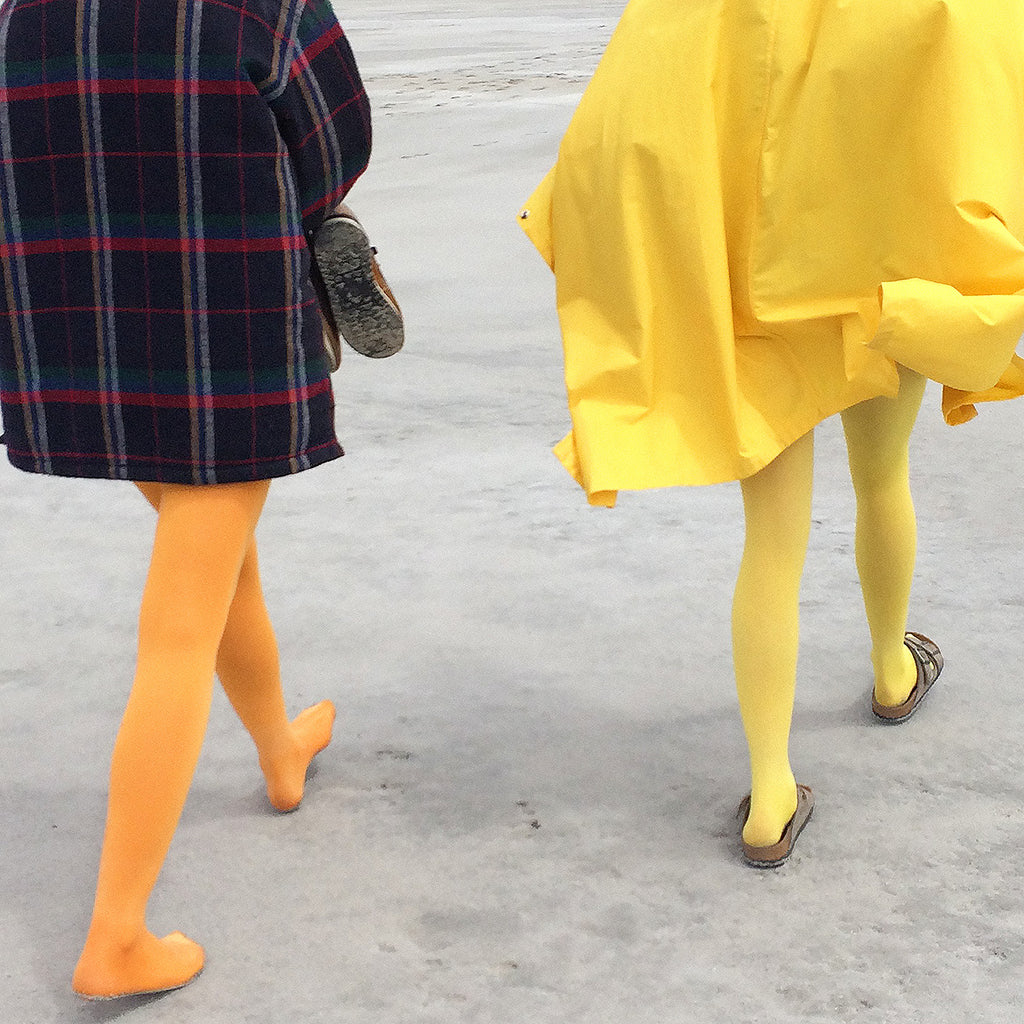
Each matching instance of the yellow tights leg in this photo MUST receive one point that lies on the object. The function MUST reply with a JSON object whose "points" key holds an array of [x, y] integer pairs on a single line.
{"points": [[877, 439], [765, 629], [202, 536]]}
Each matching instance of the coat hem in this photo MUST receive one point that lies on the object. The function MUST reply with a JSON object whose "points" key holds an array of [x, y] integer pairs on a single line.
{"points": [[145, 470]]}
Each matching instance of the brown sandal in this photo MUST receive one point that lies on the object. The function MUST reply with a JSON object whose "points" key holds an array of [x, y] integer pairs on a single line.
{"points": [[778, 853], [929, 663]]}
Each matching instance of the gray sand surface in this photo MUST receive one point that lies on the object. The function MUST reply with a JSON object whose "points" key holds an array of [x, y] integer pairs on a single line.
{"points": [[527, 812]]}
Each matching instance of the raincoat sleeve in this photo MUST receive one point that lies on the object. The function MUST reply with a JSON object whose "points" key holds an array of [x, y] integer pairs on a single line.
{"points": [[963, 341]]}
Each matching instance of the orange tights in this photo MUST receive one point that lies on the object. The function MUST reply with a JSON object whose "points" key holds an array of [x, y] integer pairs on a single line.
{"points": [[202, 612]]}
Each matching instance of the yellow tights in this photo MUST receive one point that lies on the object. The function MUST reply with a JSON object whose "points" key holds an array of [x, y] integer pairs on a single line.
{"points": [[202, 610], [777, 509]]}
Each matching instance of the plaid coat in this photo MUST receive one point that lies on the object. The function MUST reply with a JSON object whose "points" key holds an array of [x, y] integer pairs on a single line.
{"points": [[161, 167]]}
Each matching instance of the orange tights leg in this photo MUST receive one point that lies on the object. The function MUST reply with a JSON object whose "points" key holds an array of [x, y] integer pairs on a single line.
{"points": [[201, 538], [204, 540], [249, 671]]}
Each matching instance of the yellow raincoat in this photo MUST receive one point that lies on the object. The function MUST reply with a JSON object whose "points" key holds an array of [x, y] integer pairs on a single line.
{"points": [[760, 206]]}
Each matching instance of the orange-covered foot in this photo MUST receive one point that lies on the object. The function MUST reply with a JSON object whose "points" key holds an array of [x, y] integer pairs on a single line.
{"points": [[148, 965], [285, 768]]}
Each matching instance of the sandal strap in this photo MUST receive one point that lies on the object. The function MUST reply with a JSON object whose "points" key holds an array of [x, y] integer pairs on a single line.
{"points": [[927, 657]]}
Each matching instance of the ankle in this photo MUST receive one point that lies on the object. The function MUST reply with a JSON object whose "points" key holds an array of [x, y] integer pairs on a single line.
{"points": [[280, 745], [895, 676], [113, 932], [773, 802]]}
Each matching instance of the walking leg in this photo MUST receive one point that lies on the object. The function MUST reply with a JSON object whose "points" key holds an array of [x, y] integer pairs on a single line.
{"points": [[765, 629], [250, 672], [202, 535], [877, 440]]}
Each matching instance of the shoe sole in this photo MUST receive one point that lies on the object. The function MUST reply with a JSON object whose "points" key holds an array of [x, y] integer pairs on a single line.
{"points": [[364, 312]]}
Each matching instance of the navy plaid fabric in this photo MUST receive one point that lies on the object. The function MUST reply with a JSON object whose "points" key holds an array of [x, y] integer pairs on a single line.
{"points": [[161, 167]]}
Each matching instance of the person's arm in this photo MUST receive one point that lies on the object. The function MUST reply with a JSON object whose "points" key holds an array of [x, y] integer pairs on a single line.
{"points": [[321, 107]]}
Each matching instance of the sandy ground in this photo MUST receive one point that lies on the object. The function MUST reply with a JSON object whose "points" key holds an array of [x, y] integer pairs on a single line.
{"points": [[527, 813]]}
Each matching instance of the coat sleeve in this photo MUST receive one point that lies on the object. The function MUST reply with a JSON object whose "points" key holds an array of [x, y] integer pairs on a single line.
{"points": [[321, 107]]}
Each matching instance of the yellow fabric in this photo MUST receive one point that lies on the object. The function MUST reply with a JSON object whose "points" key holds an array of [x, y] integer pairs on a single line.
{"points": [[761, 206]]}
